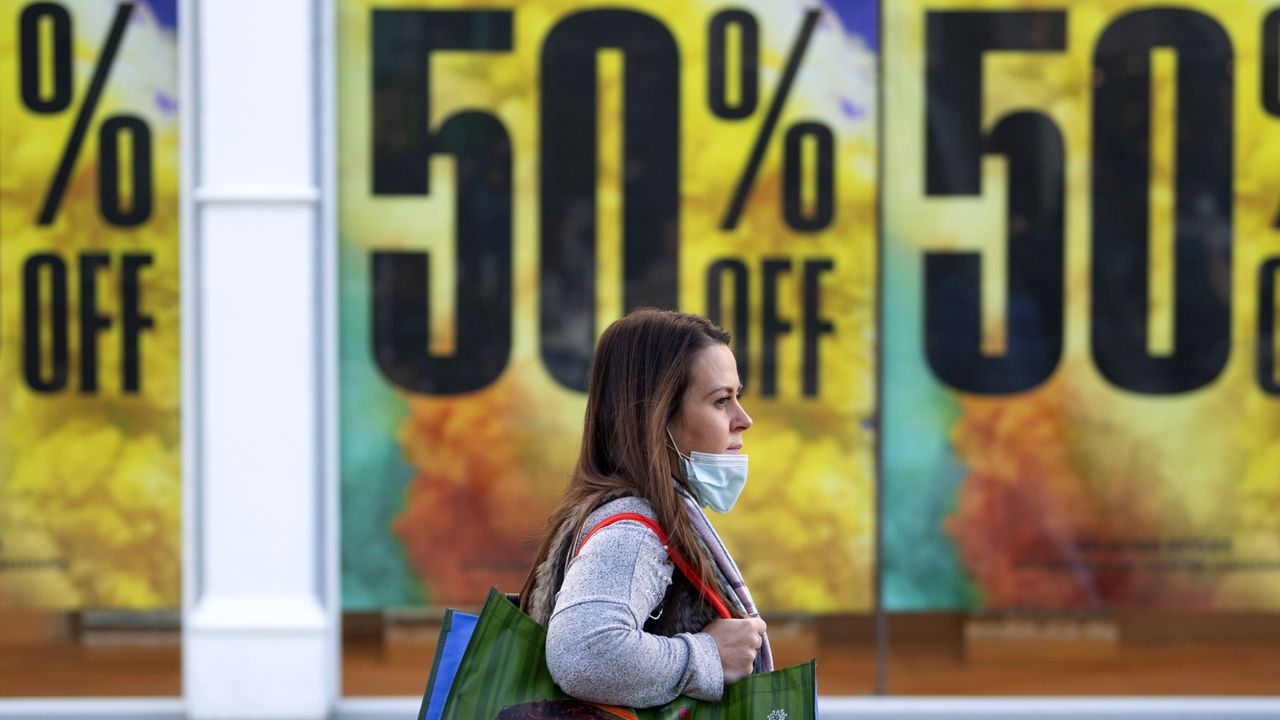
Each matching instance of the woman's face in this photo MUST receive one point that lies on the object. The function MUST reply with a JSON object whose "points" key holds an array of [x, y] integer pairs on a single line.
{"points": [[709, 418]]}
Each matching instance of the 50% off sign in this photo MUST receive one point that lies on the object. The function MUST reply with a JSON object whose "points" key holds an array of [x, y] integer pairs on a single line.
{"points": [[1080, 242], [684, 155], [81, 283]]}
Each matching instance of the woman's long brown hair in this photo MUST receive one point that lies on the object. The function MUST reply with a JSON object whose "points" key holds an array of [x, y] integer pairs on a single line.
{"points": [[639, 374]]}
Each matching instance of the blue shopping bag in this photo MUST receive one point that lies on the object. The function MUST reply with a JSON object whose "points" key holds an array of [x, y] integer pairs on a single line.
{"points": [[455, 633]]}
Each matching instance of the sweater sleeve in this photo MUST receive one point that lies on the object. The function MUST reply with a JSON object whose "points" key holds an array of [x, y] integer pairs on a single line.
{"points": [[597, 649]]}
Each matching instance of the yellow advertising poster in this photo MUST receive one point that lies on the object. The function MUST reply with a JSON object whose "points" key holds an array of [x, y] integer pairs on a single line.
{"points": [[1080, 242], [90, 488], [512, 178]]}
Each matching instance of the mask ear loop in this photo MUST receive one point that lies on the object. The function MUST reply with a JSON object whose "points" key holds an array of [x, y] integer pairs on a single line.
{"points": [[678, 474], [676, 447]]}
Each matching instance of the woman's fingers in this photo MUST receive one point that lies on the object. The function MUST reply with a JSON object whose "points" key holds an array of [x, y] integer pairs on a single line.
{"points": [[738, 641]]}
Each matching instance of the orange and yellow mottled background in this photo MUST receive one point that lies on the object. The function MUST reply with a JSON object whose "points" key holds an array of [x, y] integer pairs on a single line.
{"points": [[443, 496], [90, 483], [1076, 494]]}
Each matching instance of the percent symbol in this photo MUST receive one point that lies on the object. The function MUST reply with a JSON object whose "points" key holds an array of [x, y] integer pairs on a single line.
{"points": [[793, 206], [112, 131]]}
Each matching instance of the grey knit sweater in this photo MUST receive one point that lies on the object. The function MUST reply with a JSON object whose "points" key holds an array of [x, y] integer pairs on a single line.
{"points": [[597, 649]]}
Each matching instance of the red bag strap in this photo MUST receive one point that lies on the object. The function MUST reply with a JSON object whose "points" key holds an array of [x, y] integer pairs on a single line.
{"points": [[707, 593]]}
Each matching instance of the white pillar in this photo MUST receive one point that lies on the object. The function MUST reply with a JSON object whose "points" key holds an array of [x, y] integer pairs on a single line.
{"points": [[260, 619]]}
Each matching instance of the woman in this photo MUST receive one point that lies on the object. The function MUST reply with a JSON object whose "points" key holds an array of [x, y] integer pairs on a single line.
{"points": [[662, 436]]}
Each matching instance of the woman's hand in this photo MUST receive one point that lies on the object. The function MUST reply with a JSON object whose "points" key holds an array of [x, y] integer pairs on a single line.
{"points": [[738, 641]]}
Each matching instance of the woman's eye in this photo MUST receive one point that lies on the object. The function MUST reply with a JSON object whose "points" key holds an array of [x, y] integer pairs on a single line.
{"points": [[723, 400]]}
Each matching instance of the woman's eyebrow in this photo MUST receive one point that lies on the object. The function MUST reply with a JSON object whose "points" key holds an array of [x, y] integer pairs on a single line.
{"points": [[722, 388]]}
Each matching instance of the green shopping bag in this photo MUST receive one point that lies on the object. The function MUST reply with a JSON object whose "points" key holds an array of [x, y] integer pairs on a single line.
{"points": [[503, 675]]}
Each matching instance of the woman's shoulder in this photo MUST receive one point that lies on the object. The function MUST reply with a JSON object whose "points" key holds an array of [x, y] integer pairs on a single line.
{"points": [[617, 507]]}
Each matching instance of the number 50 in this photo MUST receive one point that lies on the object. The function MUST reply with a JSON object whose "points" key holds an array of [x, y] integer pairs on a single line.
{"points": [[1033, 147], [404, 42]]}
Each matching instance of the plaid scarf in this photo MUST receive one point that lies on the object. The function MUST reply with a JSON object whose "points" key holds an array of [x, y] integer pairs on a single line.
{"points": [[729, 573]]}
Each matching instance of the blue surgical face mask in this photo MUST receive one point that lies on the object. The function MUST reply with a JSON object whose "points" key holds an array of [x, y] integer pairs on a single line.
{"points": [[715, 479]]}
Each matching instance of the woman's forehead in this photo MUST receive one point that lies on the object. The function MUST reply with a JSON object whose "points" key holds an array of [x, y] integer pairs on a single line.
{"points": [[714, 366]]}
